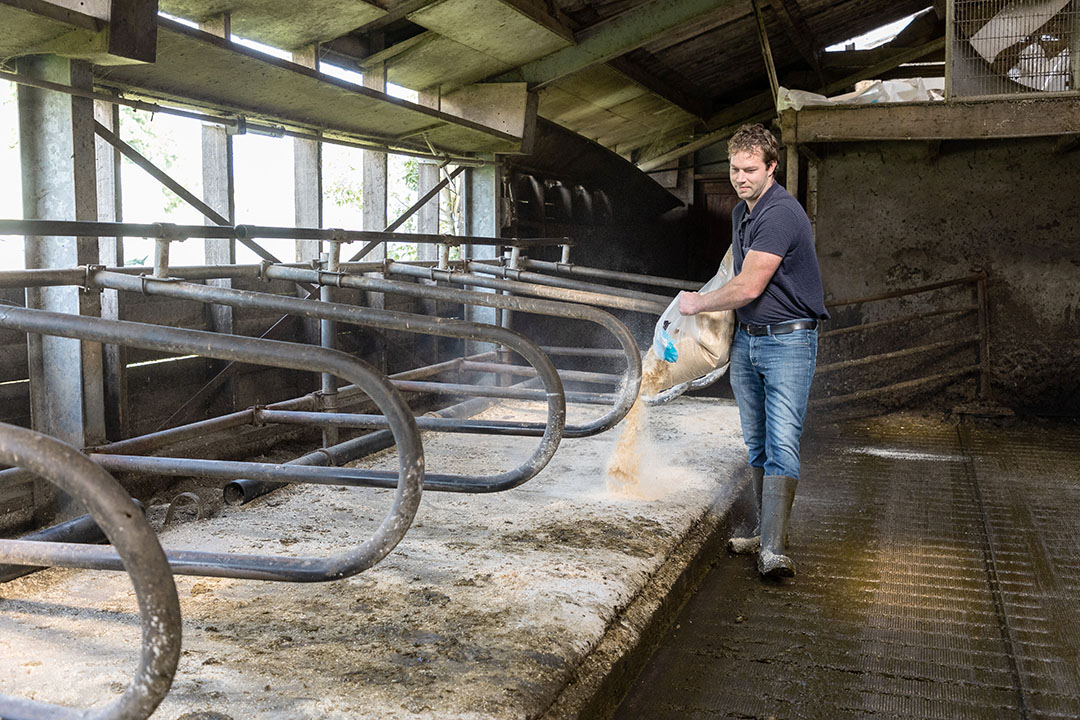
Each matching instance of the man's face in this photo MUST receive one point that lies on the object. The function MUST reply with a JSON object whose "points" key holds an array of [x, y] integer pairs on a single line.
{"points": [[750, 175]]}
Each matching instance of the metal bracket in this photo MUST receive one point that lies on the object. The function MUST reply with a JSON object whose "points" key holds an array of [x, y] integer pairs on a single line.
{"points": [[87, 270], [239, 128], [143, 278]]}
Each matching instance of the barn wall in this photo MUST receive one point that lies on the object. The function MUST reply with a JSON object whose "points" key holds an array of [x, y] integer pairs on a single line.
{"points": [[895, 215]]}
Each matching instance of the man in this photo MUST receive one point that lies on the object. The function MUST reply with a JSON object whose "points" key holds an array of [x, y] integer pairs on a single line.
{"points": [[778, 301]]}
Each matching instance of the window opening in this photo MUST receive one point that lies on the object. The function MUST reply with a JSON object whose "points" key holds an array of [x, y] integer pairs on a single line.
{"points": [[11, 246], [263, 178], [875, 38], [343, 187], [174, 144]]}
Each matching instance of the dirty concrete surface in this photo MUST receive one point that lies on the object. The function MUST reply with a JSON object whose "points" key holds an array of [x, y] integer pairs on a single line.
{"points": [[937, 580], [487, 608]]}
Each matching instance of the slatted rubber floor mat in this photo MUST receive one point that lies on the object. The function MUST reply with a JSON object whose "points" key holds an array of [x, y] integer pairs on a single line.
{"points": [[939, 578]]}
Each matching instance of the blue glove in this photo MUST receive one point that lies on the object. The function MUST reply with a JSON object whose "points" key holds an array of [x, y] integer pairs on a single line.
{"points": [[671, 353]]}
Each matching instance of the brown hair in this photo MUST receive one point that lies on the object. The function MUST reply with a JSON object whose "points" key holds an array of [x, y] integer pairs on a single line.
{"points": [[749, 138]]}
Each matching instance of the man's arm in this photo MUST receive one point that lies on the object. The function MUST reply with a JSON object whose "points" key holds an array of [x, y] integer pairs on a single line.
{"points": [[758, 268]]}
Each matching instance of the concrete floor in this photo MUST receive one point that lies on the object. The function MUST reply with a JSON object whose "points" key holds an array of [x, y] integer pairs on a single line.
{"points": [[511, 605], [938, 579]]}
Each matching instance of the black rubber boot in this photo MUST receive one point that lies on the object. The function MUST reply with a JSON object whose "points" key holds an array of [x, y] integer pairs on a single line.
{"points": [[750, 544], [777, 495]]}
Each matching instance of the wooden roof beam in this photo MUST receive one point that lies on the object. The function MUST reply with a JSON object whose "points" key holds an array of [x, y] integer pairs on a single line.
{"points": [[799, 33], [699, 26], [972, 120], [693, 104], [723, 124], [618, 36]]}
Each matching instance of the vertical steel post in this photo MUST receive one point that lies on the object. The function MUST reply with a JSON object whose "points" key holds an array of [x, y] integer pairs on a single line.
{"points": [[329, 329], [506, 317], [161, 257]]}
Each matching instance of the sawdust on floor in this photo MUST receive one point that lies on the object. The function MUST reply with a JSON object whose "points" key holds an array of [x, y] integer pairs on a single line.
{"points": [[484, 610]]}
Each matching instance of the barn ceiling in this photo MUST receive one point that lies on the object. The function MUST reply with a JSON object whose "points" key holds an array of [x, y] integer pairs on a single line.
{"points": [[643, 78]]}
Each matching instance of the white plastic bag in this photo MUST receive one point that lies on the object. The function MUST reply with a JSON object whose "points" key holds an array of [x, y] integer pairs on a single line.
{"points": [[691, 346]]}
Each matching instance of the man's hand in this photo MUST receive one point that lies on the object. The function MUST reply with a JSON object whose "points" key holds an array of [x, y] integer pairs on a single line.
{"points": [[757, 270], [689, 303]]}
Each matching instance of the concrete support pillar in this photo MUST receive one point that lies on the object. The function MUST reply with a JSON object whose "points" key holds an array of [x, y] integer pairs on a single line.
{"points": [[791, 184], [218, 193], [111, 254], [56, 142], [375, 171], [482, 218], [427, 217], [427, 221], [307, 176], [374, 217]]}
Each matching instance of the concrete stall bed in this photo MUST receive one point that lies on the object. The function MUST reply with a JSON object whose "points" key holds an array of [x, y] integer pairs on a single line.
{"points": [[523, 604]]}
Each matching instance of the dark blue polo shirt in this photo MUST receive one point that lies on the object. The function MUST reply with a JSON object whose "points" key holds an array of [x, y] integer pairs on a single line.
{"points": [[779, 225]]}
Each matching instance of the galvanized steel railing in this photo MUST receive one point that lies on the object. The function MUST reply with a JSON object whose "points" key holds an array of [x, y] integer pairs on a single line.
{"points": [[136, 550], [979, 338]]}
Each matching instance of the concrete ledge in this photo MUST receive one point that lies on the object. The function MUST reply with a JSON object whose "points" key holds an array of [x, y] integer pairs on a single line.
{"points": [[607, 673], [538, 602]]}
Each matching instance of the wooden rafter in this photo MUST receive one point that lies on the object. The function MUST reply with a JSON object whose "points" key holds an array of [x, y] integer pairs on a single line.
{"points": [[693, 104], [760, 107], [799, 33], [699, 26], [766, 49], [623, 33]]}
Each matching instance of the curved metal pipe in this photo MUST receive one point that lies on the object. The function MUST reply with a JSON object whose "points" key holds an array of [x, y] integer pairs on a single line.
{"points": [[532, 289], [152, 441], [585, 271], [386, 319], [245, 490], [627, 388], [565, 283], [702, 382], [170, 436], [408, 479], [138, 552], [288, 473], [378, 422], [83, 529]]}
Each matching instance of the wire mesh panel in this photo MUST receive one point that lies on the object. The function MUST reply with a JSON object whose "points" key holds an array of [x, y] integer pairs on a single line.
{"points": [[1011, 47]]}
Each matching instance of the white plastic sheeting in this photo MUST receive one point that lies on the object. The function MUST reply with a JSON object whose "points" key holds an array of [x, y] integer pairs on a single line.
{"points": [[868, 92]]}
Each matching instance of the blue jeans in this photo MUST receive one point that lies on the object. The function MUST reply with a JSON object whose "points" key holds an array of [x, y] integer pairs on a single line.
{"points": [[770, 376]]}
